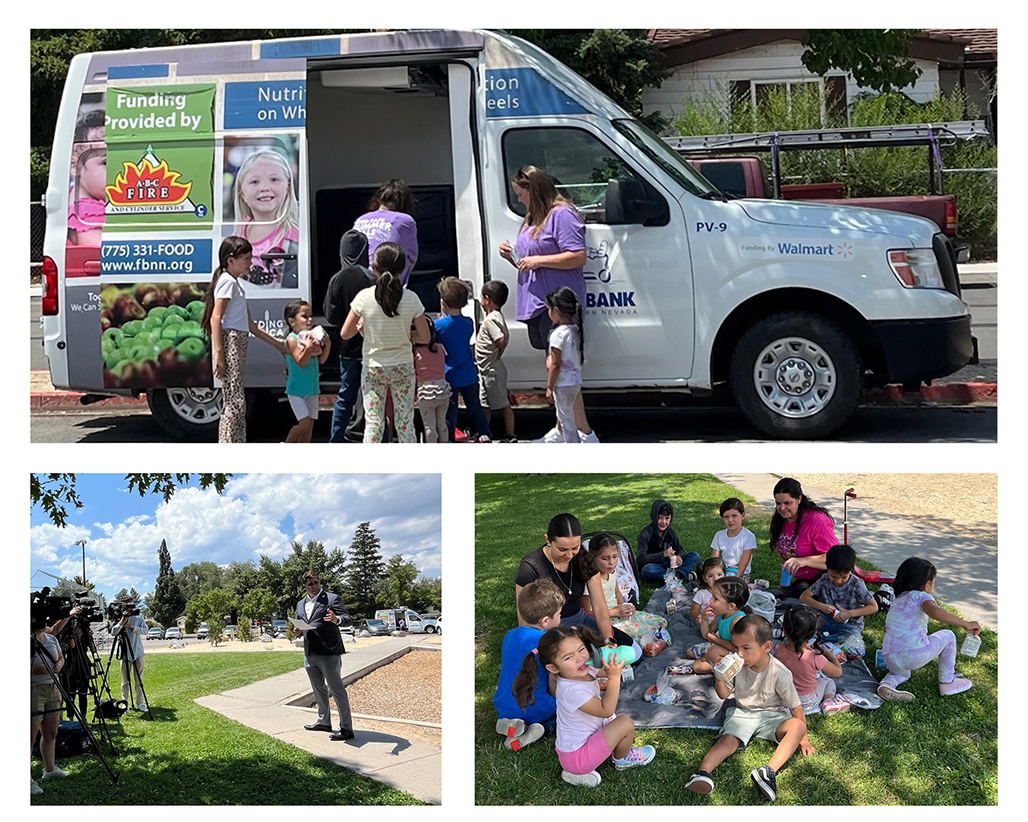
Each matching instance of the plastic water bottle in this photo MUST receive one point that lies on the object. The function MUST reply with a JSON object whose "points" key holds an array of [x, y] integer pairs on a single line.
{"points": [[971, 645]]}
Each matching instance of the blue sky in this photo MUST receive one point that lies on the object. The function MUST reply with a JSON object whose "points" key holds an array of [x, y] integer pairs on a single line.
{"points": [[256, 514]]}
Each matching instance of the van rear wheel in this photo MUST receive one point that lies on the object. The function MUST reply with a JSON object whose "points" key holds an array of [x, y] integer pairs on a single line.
{"points": [[189, 414], [796, 375]]}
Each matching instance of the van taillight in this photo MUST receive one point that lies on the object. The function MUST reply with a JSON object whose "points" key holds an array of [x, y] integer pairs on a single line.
{"points": [[951, 217], [49, 287]]}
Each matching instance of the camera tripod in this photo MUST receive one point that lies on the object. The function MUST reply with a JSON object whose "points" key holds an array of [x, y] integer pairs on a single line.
{"points": [[44, 655], [84, 676], [124, 652]]}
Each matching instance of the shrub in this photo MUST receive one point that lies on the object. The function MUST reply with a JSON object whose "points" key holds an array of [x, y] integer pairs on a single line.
{"points": [[245, 634], [867, 172]]}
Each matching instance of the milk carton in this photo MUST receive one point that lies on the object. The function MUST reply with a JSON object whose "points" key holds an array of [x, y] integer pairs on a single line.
{"points": [[728, 667]]}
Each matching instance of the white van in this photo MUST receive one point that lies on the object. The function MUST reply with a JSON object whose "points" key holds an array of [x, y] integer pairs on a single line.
{"points": [[412, 622], [796, 306]]}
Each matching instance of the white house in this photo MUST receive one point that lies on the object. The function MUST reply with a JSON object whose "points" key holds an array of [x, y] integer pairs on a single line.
{"points": [[729, 62]]}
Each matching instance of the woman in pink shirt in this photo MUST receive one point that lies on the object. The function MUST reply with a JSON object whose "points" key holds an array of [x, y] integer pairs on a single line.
{"points": [[801, 534]]}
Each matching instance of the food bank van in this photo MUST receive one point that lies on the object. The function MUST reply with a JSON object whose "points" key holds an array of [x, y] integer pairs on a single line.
{"points": [[796, 306]]}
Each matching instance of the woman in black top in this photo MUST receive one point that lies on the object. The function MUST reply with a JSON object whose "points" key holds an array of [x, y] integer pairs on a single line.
{"points": [[574, 571]]}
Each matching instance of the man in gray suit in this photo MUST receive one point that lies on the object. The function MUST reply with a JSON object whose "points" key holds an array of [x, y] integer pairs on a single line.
{"points": [[322, 650]]}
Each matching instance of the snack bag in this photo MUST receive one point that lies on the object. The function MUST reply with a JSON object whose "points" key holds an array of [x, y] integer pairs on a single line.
{"points": [[673, 581]]}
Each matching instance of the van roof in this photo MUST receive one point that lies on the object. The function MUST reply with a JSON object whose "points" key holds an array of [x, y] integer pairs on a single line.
{"points": [[291, 54]]}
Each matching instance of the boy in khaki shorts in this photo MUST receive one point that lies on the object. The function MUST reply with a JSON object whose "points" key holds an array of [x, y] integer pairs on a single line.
{"points": [[489, 345], [763, 690]]}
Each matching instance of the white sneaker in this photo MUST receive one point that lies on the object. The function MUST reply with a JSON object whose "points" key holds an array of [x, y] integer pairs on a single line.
{"points": [[35, 787], [553, 435], [589, 780], [56, 773], [590, 437]]}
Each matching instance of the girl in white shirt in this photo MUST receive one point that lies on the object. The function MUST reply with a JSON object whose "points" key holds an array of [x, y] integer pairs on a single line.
{"points": [[588, 731], [227, 321]]}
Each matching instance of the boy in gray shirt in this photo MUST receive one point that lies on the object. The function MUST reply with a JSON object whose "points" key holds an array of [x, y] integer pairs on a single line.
{"points": [[763, 692], [490, 343]]}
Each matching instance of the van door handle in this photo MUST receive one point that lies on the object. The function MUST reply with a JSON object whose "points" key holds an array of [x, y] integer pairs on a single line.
{"points": [[91, 267]]}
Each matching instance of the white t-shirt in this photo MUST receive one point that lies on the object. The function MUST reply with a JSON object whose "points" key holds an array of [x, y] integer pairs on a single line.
{"points": [[701, 598], [574, 727], [565, 338], [387, 340], [732, 548], [235, 316]]}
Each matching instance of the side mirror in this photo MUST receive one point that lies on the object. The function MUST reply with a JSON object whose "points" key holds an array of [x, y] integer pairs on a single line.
{"points": [[629, 202]]}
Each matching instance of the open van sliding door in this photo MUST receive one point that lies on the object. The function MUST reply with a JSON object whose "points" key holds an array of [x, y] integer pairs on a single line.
{"points": [[466, 194]]}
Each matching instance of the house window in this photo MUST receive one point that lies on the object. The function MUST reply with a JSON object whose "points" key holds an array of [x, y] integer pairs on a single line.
{"points": [[830, 93]]}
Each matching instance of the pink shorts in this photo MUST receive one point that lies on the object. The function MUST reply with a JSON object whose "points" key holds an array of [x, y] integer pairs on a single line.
{"points": [[588, 757]]}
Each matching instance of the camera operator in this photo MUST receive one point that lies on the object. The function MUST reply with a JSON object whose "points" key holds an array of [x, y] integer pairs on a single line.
{"points": [[135, 632], [46, 702]]}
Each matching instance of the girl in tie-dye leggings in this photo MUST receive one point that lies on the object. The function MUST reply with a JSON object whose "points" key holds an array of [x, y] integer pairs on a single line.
{"points": [[907, 645]]}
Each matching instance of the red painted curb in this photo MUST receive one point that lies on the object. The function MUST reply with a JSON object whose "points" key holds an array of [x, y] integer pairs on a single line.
{"points": [[952, 393]]}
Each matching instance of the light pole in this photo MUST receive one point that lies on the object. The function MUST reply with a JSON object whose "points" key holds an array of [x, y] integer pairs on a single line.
{"points": [[83, 542]]}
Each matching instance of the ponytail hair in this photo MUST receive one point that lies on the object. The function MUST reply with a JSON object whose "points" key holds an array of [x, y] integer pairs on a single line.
{"points": [[526, 679], [787, 485], [801, 624], [230, 247], [735, 591], [388, 262], [567, 525]]}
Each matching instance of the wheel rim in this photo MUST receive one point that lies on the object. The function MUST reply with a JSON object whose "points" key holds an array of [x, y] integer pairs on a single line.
{"points": [[197, 406], [795, 377]]}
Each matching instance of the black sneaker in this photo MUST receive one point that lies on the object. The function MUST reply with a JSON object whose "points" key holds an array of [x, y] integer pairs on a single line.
{"points": [[700, 782], [764, 778]]}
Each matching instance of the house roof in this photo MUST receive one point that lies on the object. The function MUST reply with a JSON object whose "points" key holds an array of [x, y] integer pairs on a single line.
{"points": [[944, 45]]}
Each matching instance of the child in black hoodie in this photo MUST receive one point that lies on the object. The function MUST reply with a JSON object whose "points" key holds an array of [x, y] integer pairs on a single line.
{"points": [[658, 544]]}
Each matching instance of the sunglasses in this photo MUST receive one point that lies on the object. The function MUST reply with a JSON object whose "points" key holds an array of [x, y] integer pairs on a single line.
{"points": [[313, 582]]}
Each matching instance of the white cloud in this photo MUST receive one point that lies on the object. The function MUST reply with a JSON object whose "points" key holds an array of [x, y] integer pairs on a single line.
{"points": [[45, 541]]}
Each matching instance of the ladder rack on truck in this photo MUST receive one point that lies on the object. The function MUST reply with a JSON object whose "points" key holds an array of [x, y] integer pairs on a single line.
{"points": [[933, 135]]}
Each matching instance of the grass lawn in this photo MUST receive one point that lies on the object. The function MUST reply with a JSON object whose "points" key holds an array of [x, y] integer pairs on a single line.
{"points": [[188, 755], [930, 751]]}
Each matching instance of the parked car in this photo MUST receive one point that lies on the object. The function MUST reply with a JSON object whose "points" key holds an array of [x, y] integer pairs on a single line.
{"points": [[201, 632], [439, 623], [155, 633], [279, 626], [376, 627], [173, 633]]}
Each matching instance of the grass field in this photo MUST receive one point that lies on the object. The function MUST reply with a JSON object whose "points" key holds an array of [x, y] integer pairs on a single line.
{"points": [[188, 755], [927, 752]]}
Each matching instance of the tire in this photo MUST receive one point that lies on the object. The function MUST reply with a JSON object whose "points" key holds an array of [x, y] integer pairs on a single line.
{"points": [[430, 629], [189, 414], [796, 375]]}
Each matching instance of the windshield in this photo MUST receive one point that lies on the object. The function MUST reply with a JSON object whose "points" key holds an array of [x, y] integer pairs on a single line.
{"points": [[665, 157]]}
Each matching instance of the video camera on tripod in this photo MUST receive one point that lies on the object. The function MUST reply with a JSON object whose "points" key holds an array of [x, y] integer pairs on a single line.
{"points": [[120, 608]]}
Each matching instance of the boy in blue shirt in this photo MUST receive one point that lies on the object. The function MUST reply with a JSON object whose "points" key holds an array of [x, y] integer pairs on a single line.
{"points": [[454, 331], [539, 606]]}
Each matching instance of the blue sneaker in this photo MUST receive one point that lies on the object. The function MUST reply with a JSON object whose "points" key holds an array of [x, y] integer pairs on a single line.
{"points": [[643, 755]]}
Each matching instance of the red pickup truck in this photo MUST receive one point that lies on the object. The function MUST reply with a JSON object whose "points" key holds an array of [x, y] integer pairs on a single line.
{"points": [[717, 158], [745, 176]]}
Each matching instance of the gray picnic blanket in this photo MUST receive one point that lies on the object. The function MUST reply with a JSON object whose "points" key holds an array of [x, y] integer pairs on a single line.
{"points": [[699, 705]]}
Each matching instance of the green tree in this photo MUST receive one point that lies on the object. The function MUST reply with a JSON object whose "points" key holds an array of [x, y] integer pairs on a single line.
{"points": [[366, 568], [427, 595], [875, 58], [328, 565], [397, 584], [619, 62], [258, 604], [197, 577], [211, 607], [53, 492], [166, 602]]}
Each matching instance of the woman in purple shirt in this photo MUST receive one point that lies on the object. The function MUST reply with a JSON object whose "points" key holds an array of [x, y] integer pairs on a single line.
{"points": [[388, 220], [549, 252]]}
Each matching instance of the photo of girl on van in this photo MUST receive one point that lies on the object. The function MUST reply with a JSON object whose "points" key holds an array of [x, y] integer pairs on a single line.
{"points": [[88, 174], [261, 205]]}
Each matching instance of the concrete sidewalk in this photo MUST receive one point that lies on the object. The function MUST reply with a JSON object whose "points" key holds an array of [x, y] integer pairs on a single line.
{"points": [[266, 706], [968, 570]]}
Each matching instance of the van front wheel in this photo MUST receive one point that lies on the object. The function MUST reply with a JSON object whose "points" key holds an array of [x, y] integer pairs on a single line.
{"points": [[796, 375], [190, 414]]}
